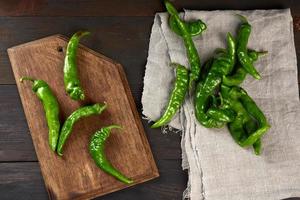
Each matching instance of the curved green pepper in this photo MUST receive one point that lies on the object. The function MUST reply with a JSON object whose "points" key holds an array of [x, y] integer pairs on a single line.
{"points": [[236, 128], [71, 79], [250, 127], [194, 27], [177, 95], [67, 127], [242, 41], [221, 65], [240, 73], [255, 112], [51, 108], [96, 149], [243, 129], [191, 50], [221, 114]]}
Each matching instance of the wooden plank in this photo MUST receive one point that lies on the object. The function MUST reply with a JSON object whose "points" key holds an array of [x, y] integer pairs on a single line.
{"points": [[130, 8], [21, 181], [15, 140], [24, 181], [162, 145], [76, 175], [112, 36], [16, 143]]}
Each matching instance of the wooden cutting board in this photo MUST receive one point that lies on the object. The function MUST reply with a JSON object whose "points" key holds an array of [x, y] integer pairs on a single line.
{"points": [[75, 175]]}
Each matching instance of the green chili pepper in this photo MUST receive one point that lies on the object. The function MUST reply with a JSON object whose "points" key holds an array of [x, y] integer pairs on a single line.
{"points": [[71, 80], [194, 27], [205, 69], [251, 127], [243, 130], [231, 100], [237, 78], [222, 115], [255, 112], [51, 108], [240, 73], [191, 50], [177, 96], [67, 127], [221, 66], [96, 149], [243, 37]]}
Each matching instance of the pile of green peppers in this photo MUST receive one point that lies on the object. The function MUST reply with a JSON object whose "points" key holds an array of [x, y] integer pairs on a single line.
{"points": [[218, 98]]}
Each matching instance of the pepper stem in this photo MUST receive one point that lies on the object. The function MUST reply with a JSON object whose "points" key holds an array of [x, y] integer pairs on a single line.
{"points": [[262, 53], [113, 126], [220, 50], [242, 18], [81, 34], [26, 79], [174, 65]]}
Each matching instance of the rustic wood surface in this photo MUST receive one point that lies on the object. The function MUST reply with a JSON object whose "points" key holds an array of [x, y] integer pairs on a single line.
{"points": [[75, 175], [121, 31]]}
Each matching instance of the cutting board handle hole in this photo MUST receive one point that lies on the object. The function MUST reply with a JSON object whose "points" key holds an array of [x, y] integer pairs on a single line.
{"points": [[60, 49]]}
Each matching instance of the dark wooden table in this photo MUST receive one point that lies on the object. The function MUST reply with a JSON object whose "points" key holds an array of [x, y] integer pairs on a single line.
{"points": [[121, 31]]}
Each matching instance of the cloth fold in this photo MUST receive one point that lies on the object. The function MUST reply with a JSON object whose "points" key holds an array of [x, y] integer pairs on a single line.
{"points": [[218, 167]]}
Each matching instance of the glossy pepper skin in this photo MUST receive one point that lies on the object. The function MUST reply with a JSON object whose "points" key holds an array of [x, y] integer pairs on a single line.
{"points": [[191, 50], [255, 112], [194, 27], [71, 79], [67, 127], [221, 65], [231, 98], [177, 95], [250, 127], [51, 108], [239, 74], [242, 54], [244, 129], [96, 149]]}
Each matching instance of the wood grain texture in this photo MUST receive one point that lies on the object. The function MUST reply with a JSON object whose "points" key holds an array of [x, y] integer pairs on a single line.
{"points": [[24, 181], [110, 35], [113, 36], [15, 140], [126, 8], [124, 39], [21, 180], [75, 176]]}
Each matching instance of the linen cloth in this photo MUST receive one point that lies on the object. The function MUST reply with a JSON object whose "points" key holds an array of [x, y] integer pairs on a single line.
{"points": [[219, 168]]}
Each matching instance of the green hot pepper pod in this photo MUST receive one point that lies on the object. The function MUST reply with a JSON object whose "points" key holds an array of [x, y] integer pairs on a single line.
{"points": [[242, 41], [191, 50], [239, 74], [67, 127], [71, 79], [96, 149], [207, 87], [51, 107], [194, 27], [250, 123], [250, 127], [177, 95], [256, 113]]}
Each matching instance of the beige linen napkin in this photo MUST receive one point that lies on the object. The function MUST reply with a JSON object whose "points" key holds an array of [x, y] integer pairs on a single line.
{"points": [[218, 167]]}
